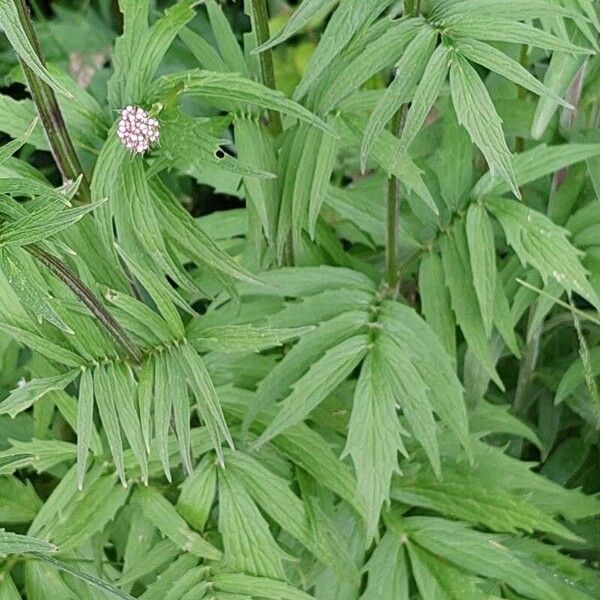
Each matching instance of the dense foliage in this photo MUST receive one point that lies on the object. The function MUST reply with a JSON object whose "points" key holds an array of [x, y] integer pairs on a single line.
{"points": [[328, 325]]}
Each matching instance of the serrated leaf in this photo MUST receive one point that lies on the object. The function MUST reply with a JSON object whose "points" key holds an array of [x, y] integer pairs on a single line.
{"points": [[242, 338], [388, 573], [248, 544], [478, 553], [536, 163], [409, 70], [498, 62], [162, 513], [544, 245], [435, 302], [459, 279], [43, 346], [266, 588], [320, 380], [24, 396], [198, 493], [476, 113], [499, 29], [349, 17], [301, 17], [13, 543], [374, 436], [10, 148], [482, 253], [425, 95], [85, 422], [234, 87]]}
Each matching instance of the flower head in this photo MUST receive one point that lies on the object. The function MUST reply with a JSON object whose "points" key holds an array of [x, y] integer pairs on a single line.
{"points": [[137, 129]]}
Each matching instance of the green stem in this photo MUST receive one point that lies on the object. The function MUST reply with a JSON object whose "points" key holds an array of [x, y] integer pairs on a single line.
{"points": [[47, 106], [89, 299], [521, 95], [260, 20]]}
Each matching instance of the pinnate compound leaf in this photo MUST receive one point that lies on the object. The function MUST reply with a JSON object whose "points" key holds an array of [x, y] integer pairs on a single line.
{"points": [[542, 244]]}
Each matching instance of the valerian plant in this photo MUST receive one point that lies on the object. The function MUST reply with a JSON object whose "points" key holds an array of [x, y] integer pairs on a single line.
{"points": [[300, 301]]}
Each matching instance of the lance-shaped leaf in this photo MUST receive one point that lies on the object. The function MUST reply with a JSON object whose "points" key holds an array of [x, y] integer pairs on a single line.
{"points": [[25, 395], [426, 94], [374, 435], [482, 253], [409, 70], [13, 543], [320, 380], [476, 113], [162, 513]]}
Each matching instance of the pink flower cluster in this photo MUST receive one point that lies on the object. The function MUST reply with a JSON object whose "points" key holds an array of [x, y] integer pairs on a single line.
{"points": [[137, 129]]}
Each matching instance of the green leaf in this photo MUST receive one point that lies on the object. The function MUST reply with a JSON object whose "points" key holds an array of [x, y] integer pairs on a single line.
{"points": [[464, 497], [507, 9], [90, 580], [536, 163], [498, 29], [225, 38], [478, 553], [349, 17], [85, 422], [544, 245], [161, 512], [575, 375], [43, 346], [410, 393], [374, 436], [301, 18], [248, 544], [241, 338], [498, 62], [9, 149], [257, 586], [42, 223], [482, 253], [409, 71], [272, 494], [426, 94], [105, 401], [21, 42], [209, 407], [231, 86], [476, 113], [388, 573], [24, 396], [12, 543], [320, 380], [438, 579], [435, 302], [198, 493], [459, 279]]}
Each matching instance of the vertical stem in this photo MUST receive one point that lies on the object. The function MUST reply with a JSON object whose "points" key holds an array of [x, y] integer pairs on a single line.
{"points": [[521, 95], [260, 18], [47, 106]]}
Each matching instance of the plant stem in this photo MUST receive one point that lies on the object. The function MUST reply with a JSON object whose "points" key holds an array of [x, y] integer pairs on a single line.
{"points": [[89, 299], [412, 9], [260, 18], [47, 106]]}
